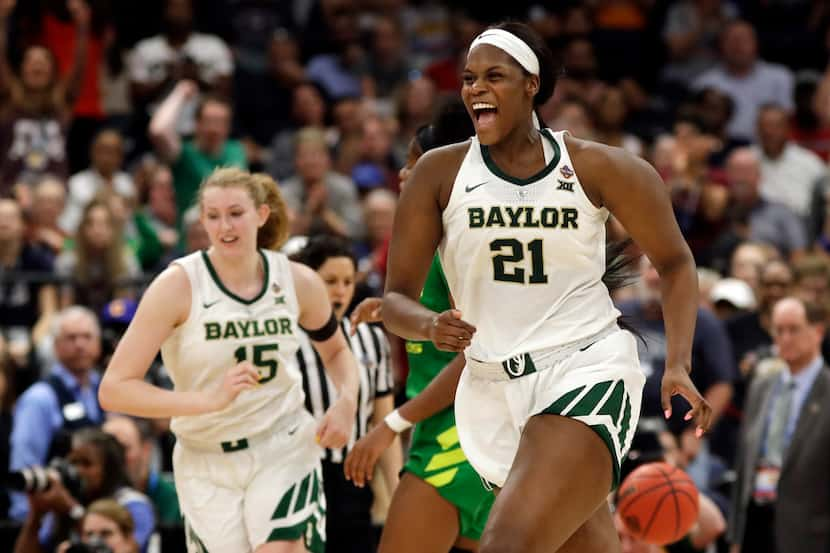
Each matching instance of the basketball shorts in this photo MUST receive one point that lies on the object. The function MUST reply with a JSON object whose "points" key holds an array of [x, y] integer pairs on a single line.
{"points": [[436, 457], [597, 381], [237, 495]]}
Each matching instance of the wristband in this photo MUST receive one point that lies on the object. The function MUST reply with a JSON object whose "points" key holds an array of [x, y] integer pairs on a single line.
{"points": [[396, 422]]}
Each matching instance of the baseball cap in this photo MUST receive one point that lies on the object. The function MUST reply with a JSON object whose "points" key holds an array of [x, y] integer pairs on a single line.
{"points": [[734, 291]]}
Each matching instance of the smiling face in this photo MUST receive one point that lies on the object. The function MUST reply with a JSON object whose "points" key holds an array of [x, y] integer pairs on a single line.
{"points": [[231, 219], [498, 94]]}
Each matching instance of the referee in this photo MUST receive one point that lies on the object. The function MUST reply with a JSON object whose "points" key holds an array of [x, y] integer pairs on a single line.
{"points": [[348, 519]]}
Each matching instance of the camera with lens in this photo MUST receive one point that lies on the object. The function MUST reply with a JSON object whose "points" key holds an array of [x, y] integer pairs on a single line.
{"points": [[94, 546], [39, 479]]}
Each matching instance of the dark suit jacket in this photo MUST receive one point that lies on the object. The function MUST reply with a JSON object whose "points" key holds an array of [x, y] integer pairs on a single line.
{"points": [[802, 512]]}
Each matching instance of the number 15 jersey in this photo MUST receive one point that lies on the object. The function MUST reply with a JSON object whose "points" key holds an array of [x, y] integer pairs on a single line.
{"points": [[224, 329], [524, 258]]}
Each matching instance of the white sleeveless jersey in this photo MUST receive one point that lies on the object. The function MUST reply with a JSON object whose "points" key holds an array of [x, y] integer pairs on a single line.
{"points": [[524, 258], [222, 330]]}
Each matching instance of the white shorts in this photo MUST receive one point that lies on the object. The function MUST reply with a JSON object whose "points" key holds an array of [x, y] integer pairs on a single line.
{"points": [[235, 496], [600, 385]]}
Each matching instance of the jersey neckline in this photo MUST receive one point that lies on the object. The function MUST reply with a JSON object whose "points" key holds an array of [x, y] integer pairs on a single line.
{"points": [[215, 276], [491, 164]]}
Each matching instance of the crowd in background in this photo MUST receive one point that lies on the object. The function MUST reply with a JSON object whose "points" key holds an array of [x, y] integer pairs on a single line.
{"points": [[112, 113]]}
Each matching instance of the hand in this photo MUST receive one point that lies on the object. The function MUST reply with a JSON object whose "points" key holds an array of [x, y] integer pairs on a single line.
{"points": [[56, 499], [187, 89], [80, 12], [317, 199], [242, 376], [336, 427], [367, 311], [676, 381], [6, 8], [449, 332], [360, 463]]}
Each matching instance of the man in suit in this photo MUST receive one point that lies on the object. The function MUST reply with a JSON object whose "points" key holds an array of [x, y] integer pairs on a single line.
{"points": [[781, 500]]}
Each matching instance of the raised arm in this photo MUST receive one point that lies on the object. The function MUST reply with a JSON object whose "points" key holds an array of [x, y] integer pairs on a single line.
{"points": [[634, 193], [338, 360], [163, 133], [165, 305], [81, 14], [417, 232]]}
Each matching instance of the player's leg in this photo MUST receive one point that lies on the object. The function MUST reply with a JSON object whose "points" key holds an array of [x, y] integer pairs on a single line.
{"points": [[419, 520], [560, 478]]}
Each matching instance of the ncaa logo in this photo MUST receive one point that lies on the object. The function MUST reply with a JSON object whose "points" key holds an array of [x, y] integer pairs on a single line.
{"points": [[515, 366]]}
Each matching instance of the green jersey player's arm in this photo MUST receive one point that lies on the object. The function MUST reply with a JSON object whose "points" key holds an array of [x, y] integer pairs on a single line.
{"points": [[315, 313], [164, 306]]}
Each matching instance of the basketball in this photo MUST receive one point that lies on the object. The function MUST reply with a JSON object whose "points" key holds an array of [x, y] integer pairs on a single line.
{"points": [[658, 503]]}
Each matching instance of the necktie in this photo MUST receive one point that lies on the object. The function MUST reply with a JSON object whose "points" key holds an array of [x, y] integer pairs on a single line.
{"points": [[776, 435]]}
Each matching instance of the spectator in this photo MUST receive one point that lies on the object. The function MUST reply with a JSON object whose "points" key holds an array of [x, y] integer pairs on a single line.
{"points": [[446, 72], [6, 404], [99, 461], [37, 108], [321, 199], [731, 297], [107, 523], [789, 173], [376, 148], [573, 116], [160, 215], [159, 63], [193, 160], [100, 265], [338, 71], [611, 112], [711, 357], [811, 121], [66, 400], [49, 201], [714, 109], [756, 218], [196, 238], [782, 492], [107, 155], [379, 214], [137, 438], [387, 66], [27, 303], [417, 99], [747, 261], [748, 80]]}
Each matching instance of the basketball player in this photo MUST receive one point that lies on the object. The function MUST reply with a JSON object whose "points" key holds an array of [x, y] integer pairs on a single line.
{"points": [[246, 463], [439, 502], [550, 394]]}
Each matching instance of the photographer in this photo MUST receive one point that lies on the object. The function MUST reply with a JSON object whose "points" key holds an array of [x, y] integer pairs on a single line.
{"points": [[99, 473], [107, 527]]}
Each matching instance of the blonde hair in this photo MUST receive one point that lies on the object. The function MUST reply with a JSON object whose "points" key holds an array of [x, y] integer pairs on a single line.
{"points": [[263, 190], [111, 509]]}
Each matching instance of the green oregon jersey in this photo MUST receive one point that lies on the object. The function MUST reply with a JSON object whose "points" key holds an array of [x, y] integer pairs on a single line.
{"points": [[425, 360]]}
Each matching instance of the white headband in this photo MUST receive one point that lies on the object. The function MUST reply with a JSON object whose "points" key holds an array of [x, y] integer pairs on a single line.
{"points": [[512, 45]]}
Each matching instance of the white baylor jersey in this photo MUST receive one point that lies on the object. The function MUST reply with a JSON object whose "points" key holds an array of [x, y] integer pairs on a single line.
{"points": [[524, 258], [221, 331]]}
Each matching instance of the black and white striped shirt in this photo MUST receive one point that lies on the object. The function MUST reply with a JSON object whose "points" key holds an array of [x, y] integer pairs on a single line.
{"points": [[371, 350]]}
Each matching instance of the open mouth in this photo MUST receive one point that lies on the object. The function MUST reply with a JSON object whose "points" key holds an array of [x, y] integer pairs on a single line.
{"points": [[485, 113], [229, 240]]}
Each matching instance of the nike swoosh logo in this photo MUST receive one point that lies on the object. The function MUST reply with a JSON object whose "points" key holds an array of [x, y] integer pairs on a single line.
{"points": [[469, 188], [589, 345], [209, 305]]}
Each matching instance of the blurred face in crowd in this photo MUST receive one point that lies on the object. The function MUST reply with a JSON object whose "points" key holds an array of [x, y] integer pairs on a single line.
{"points": [[37, 70], [312, 161], [197, 237], [379, 209], [580, 61], [419, 100], [89, 462], [574, 117], [612, 109], [648, 287], [377, 141], [348, 116], [308, 107], [11, 221], [108, 153], [714, 110], [105, 530], [812, 288], [339, 275], [743, 174], [412, 155], [775, 282], [773, 130], [178, 17], [740, 46], [746, 263], [78, 342], [162, 195], [213, 125], [98, 228], [797, 340], [136, 454], [387, 40], [49, 201]]}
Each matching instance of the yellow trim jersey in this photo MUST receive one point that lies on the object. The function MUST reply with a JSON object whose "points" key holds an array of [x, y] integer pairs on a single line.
{"points": [[224, 329], [524, 258]]}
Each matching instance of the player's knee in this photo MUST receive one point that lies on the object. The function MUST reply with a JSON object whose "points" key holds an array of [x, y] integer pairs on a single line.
{"points": [[503, 542]]}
